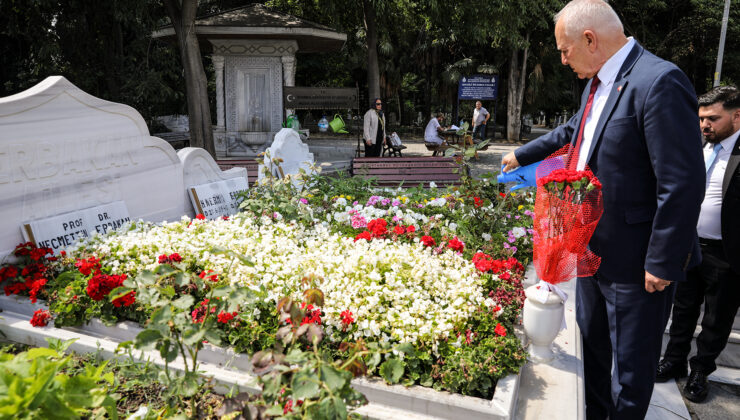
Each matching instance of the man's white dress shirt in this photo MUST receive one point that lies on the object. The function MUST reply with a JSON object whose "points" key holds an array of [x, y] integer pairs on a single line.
{"points": [[710, 223]]}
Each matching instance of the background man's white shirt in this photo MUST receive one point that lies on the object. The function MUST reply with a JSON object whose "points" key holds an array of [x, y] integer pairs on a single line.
{"points": [[710, 222]]}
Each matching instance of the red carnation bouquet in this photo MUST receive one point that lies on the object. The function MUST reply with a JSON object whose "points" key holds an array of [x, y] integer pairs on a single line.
{"points": [[567, 209]]}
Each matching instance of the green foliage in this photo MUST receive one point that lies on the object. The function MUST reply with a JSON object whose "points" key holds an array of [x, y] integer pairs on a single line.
{"points": [[304, 383], [34, 384], [474, 369], [174, 330]]}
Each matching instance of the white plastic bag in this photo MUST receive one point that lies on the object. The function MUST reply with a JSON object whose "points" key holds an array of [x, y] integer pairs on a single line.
{"points": [[395, 140]]}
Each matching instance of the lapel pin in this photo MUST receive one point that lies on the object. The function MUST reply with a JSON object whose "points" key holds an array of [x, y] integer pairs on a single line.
{"points": [[619, 88]]}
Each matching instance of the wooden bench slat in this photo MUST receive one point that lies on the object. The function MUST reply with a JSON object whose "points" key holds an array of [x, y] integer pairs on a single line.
{"points": [[435, 177], [404, 171]]}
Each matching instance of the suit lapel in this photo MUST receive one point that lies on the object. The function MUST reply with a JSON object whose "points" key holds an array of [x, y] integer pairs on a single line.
{"points": [[732, 165], [619, 86]]}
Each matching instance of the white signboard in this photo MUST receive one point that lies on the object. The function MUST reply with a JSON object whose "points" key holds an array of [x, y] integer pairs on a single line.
{"points": [[218, 199], [61, 231]]}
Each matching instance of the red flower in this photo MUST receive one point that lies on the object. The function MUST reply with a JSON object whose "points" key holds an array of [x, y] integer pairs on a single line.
{"points": [[207, 275], [477, 201], [175, 257], [399, 230], [199, 313], [200, 216], [225, 317], [500, 330], [88, 266], [428, 240], [288, 408], [38, 253], [366, 235], [40, 318], [8, 272], [100, 285], [126, 300], [347, 319], [164, 259], [410, 229], [502, 195], [378, 227], [456, 244]]}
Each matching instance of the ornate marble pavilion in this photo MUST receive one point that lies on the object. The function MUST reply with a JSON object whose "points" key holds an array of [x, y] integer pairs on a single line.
{"points": [[253, 49]]}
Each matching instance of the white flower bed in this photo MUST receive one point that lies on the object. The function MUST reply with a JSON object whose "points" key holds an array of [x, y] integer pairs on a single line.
{"points": [[397, 292]]}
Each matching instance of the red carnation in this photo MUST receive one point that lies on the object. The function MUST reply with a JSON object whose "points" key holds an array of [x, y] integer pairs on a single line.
{"points": [[40, 318], [428, 240], [456, 244], [225, 317], [366, 235]]}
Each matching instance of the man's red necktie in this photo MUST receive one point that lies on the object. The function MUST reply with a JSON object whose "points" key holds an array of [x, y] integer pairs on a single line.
{"points": [[573, 162]]}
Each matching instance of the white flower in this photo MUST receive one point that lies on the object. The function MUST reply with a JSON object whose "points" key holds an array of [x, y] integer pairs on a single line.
{"points": [[486, 237], [518, 232], [398, 292]]}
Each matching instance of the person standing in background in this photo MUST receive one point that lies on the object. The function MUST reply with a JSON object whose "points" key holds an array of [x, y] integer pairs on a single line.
{"points": [[374, 129], [716, 282], [480, 119]]}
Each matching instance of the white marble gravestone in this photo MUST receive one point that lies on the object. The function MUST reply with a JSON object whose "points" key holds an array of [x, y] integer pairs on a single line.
{"points": [[63, 150], [294, 153], [199, 168]]}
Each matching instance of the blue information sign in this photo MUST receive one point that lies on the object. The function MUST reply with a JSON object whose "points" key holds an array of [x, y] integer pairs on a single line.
{"points": [[479, 86]]}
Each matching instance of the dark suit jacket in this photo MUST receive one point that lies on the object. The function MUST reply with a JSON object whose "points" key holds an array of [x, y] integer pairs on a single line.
{"points": [[646, 152], [731, 209]]}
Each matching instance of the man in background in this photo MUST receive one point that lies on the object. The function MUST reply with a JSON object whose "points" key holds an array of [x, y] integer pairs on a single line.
{"points": [[716, 282], [433, 130], [480, 119]]}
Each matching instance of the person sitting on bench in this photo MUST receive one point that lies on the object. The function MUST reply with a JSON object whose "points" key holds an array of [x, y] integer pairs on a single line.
{"points": [[434, 128]]}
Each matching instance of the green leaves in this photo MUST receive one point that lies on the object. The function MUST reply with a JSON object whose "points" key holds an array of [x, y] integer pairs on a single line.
{"points": [[391, 370], [33, 384], [305, 385]]}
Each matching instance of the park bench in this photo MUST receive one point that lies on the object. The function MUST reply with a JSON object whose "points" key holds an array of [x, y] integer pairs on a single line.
{"points": [[408, 171], [392, 150], [436, 149], [251, 165]]}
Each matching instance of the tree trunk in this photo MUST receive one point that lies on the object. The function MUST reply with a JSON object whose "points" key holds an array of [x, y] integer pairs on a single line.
{"points": [[182, 15], [371, 31], [515, 92]]}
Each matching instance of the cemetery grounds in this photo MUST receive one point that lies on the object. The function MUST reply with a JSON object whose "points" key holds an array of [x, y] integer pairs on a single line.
{"points": [[317, 284]]}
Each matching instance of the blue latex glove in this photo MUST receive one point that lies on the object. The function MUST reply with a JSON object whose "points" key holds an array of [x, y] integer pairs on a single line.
{"points": [[524, 176]]}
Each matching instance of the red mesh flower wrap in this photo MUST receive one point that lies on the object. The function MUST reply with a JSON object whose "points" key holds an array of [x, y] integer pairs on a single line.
{"points": [[567, 209]]}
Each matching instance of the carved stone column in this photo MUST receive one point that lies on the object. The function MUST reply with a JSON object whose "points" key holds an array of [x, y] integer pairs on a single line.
{"points": [[288, 70], [218, 66], [288, 75]]}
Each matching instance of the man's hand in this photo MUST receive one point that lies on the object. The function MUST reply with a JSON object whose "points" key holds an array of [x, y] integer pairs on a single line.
{"points": [[509, 161], [368, 142], [653, 283]]}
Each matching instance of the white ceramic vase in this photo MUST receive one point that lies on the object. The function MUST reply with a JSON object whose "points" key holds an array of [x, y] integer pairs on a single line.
{"points": [[542, 322]]}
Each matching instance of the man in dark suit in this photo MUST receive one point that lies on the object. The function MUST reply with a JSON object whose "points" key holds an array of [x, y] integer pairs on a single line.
{"points": [[637, 131], [716, 282]]}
